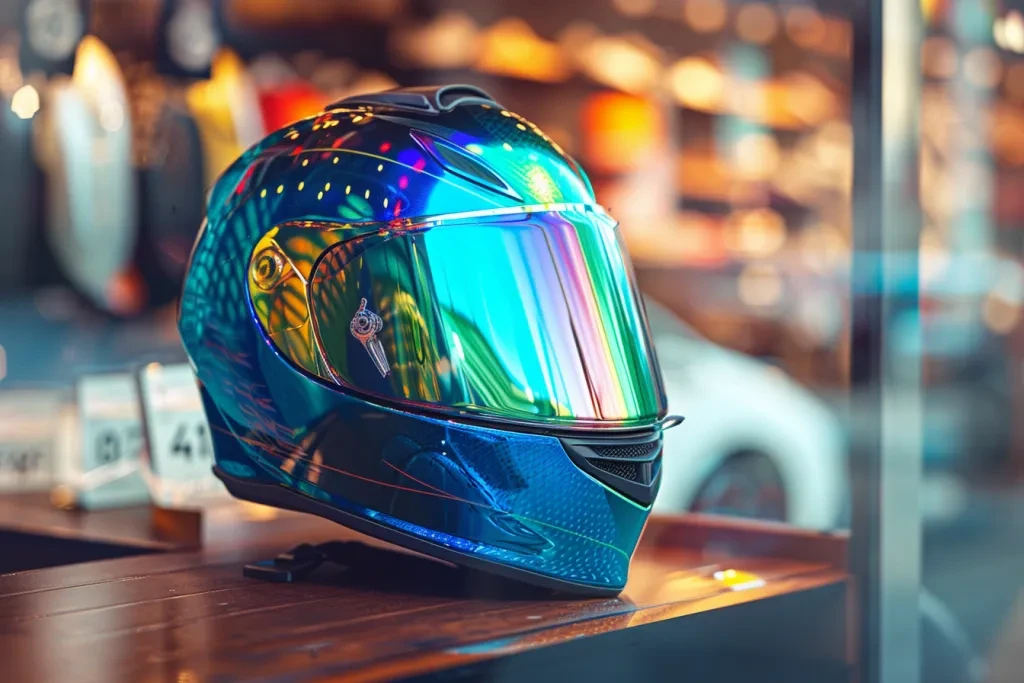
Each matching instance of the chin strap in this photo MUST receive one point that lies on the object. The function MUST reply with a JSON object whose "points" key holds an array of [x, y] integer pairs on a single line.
{"points": [[377, 567], [293, 565]]}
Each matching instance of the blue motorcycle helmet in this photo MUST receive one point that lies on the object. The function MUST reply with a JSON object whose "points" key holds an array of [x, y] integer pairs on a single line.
{"points": [[409, 315]]}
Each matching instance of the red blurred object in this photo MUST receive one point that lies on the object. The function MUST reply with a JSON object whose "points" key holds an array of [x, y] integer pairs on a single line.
{"points": [[290, 102]]}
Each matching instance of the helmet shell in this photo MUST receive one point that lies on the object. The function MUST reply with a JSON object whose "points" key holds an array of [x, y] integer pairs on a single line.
{"points": [[534, 506]]}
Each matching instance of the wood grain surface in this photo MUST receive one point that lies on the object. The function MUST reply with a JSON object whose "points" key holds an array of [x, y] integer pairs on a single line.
{"points": [[191, 616]]}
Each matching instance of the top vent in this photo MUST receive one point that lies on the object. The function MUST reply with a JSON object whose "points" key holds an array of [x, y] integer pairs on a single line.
{"points": [[432, 99]]}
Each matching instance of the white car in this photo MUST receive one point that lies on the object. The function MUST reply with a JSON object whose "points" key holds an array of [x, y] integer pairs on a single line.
{"points": [[754, 443]]}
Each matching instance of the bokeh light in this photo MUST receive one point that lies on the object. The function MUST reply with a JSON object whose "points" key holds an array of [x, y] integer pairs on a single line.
{"points": [[805, 27], [939, 57], [706, 16], [757, 23], [698, 83], [25, 102], [760, 285]]}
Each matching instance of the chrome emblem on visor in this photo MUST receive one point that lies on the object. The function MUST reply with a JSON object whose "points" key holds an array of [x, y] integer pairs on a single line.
{"points": [[364, 326]]}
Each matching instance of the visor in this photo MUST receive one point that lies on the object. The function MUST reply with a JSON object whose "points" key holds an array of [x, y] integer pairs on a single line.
{"points": [[531, 318]]}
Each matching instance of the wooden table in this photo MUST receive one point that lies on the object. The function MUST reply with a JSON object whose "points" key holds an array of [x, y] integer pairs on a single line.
{"points": [[190, 616]]}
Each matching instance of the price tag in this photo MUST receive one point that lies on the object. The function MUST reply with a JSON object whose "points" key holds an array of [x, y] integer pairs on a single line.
{"points": [[110, 443], [29, 431], [180, 451]]}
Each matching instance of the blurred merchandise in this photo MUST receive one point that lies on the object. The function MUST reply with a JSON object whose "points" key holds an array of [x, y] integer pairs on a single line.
{"points": [[83, 138], [197, 110], [226, 110], [50, 31], [19, 102]]}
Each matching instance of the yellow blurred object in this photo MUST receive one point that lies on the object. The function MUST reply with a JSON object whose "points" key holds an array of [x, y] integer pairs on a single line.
{"points": [[737, 580], [94, 64], [1008, 31], [632, 64], [220, 107], [794, 101], [756, 233], [25, 102], [804, 97], [930, 10], [755, 156], [619, 130], [697, 83], [63, 497], [258, 513], [512, 48]]}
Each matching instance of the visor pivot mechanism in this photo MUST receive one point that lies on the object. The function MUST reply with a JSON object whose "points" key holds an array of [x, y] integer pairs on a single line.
{"points": [[671, 421], [364, 326]]}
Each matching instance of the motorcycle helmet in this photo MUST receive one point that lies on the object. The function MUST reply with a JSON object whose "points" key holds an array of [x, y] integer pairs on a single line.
{"points": [[83, 140], [407, 314]]}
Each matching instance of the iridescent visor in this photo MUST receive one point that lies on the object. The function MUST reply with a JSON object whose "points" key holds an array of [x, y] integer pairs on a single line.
{"points": [[531, 318]]}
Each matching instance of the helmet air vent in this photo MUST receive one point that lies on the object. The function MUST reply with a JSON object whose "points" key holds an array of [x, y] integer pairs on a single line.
{"points": [[430, 99], [629, 464], [462, 163]]}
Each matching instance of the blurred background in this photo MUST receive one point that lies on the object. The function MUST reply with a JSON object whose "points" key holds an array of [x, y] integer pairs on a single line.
{"points": [[717, 132]]}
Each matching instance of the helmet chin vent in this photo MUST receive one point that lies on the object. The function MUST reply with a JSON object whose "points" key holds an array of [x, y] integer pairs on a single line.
{"points": [[630, 465]]}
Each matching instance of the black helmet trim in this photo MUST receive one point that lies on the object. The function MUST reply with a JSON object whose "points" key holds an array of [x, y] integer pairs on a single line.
{"points": [[432, 99]]}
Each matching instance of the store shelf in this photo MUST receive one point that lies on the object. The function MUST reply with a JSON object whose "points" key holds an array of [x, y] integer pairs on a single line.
{"points": [[31, 513], [777, 608], [49, 537]]}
